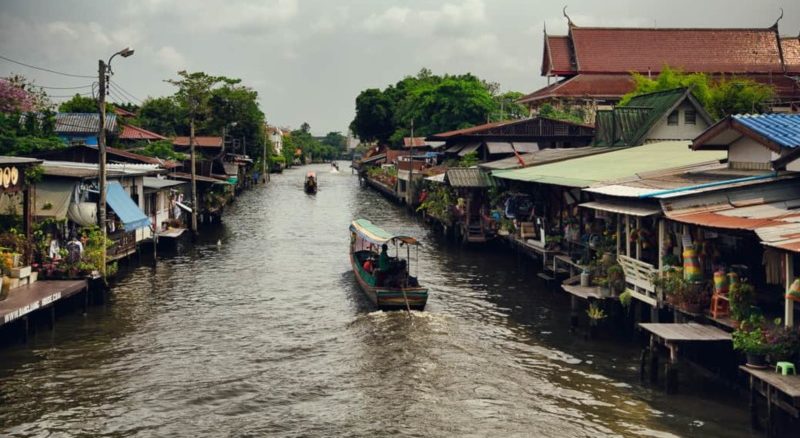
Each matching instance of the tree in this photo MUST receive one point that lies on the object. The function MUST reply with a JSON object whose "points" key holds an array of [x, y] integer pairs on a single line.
{"points": [[574, 115], [79, 104], [719, 97], [507, 107], [163, 115], [194, 94], [161, 149], [19, 94], [337, 141], [235, 109], [374, 116]]}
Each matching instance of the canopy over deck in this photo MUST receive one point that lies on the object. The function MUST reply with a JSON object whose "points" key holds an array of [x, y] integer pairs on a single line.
{"points": [[371, 232]]}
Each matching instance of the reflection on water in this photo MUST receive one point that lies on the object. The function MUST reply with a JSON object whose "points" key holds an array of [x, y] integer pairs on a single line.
{"points": [[268, 334]]}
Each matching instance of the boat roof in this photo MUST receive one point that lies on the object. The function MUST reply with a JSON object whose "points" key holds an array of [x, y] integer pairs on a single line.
{"points": [[311, 174], [377, 235]]}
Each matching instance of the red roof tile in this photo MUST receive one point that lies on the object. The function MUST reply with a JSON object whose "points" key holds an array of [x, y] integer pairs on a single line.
{"points": [[622, 50], [123, 112], [791, 54], [130, 132], [199, 141], [599, 86], [557, 54], [416, 142]]}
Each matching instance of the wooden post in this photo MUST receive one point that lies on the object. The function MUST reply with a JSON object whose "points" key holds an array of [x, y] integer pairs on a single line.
{"points": [[573, 317], [619, 233], [627, 235], [638, 242], [671, 369], [753, 404], [653, 359], [661, 249], [788, 316]]}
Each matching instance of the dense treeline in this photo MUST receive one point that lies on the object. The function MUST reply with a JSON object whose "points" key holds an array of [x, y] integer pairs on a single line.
{"points": [[432, 103]]}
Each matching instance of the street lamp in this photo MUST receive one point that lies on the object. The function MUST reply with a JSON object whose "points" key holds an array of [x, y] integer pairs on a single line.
{"points": [[104, 73]]}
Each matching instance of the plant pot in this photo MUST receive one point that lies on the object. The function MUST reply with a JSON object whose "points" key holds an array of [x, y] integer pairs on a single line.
{"points": [[757, 361], [604, 292]]}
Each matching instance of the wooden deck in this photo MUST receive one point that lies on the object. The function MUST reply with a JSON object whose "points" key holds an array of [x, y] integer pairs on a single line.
{"points": [[689, 332], [778, 391], [41, 294], [671, 336]]}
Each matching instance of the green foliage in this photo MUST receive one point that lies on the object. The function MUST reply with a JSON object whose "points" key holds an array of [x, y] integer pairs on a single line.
{"points": [[34, 174], [80, 104], [469, 160], [625, 298], [161, 149], [439, 202], [336, 140], [719, 97], [27, 134], [595, 313], [750, 337], [506, 106], [235, 108], [308, 145], [574, 115], [432, 104], [742, 300], [163, 115]]}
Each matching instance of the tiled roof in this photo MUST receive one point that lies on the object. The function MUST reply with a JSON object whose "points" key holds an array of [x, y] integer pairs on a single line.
{"points": [[83, 123], [415, 142], [622, 50], [557, 56], [123, 112], [782, 129], [199, 141], [130, 132], [791, 54], [600, 86]]}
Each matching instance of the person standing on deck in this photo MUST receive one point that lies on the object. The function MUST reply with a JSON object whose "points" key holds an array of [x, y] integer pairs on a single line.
{"points": [[383, 260]]}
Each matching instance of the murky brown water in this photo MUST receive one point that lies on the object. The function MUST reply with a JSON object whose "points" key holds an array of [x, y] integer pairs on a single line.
{"points": [[268, 335]]}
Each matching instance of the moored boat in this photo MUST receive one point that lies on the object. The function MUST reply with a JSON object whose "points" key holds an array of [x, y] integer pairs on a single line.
{"points": [[310, 185], [386, 280]]}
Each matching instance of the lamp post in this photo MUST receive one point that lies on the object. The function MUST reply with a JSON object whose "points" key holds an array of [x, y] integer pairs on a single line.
{"points": [[104, 73]]}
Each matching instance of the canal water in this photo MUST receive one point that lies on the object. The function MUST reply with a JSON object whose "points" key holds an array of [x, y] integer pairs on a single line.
{"points": [[260, 330]]}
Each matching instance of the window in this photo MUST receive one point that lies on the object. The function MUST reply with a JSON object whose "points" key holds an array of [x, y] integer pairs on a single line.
{"points": [[672, 119], [689, 117]]}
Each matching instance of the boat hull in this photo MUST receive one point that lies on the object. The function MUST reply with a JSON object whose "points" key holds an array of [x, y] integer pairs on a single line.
{"points": [[390, 298]]}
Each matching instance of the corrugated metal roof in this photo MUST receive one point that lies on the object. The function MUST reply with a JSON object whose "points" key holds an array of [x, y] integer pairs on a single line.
{"points": [[783, 129], [632, 209], [6, 160], [468, 178], [544, 156], [150, 182], [130, 132], [468, 149], [587, 171], [199, 141], [499, 147], [83, 123]]}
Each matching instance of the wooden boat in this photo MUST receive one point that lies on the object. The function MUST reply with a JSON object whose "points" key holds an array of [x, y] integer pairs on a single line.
{"points": [[392, 289], [310, 186]]}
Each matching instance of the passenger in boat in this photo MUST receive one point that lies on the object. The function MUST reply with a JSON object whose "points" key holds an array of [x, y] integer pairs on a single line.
{"points": [[383, 260], [368, 266]]}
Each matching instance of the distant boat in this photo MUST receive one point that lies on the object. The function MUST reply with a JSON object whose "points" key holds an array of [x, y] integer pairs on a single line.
{"points": [[310, 186], [393, 288], [334, 167]]}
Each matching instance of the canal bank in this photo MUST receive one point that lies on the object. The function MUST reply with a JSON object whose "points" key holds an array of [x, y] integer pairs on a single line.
{"points": [[267, 334]]}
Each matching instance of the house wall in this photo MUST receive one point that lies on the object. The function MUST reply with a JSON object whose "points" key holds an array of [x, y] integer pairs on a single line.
{"points": [[747, 153], [162, 213], [663, 131], [78, 139]]}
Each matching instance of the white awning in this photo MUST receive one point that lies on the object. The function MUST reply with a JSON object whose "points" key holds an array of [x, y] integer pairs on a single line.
{"points": [[53, 198], [631, 209], [437, 178]]}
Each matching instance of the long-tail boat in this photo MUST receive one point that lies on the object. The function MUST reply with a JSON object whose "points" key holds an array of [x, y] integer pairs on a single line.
{"points": [[393, 287], [310, 185]]}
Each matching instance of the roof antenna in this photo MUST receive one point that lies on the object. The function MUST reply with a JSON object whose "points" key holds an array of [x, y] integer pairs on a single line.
{"points": [[544, 26], [779, 19], [569, 20]]}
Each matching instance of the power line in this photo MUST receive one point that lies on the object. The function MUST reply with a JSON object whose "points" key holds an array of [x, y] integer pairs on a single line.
{"points": [[62, 88], [45, 69], [124, 91], [70, 95]]}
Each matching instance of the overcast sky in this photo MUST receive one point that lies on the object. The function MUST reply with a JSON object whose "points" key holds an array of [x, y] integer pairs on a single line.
{"points": [[308, 59]]}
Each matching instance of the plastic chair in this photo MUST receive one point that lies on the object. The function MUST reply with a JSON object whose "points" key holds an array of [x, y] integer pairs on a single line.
{"points": [[784, 368]]}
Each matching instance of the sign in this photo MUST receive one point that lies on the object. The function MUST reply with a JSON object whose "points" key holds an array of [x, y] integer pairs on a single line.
{"points": [[10, 178]]}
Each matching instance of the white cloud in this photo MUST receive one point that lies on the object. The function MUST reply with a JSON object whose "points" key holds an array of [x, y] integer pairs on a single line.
{"points": [[169, 58], [448, 18]]}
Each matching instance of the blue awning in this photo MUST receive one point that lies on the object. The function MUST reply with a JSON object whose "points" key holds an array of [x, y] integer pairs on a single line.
{"points": [[128, 212]]}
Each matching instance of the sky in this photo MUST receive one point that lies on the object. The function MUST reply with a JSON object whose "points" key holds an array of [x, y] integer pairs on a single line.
{"points": [[309, 59]]}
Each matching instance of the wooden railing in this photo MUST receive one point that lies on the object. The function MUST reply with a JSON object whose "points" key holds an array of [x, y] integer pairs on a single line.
{"points": [[639, 279]]}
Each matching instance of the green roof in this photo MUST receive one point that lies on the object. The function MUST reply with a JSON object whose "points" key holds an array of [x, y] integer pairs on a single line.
{"points": [[623, 163], [375, 234], [628, 125]]}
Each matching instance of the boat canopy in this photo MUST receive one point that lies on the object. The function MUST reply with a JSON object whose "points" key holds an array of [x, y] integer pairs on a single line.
{"points": [[371, 232]]}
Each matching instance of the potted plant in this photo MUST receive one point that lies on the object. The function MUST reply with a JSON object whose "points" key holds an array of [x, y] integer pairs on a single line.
{"points": [[741, 300], [625, 299], [616, 278], [750, 339], [688, 296], [6, 263], [596, 314], [784, 342], [602, 285]]}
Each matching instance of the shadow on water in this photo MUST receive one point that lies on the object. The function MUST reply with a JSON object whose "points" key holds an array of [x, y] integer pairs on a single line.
{"points": [[269, 334]]}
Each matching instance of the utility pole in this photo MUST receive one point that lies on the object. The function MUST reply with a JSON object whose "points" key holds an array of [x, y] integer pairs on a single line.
{"points": [[101, 148], [410, 194], [265, 175]]}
